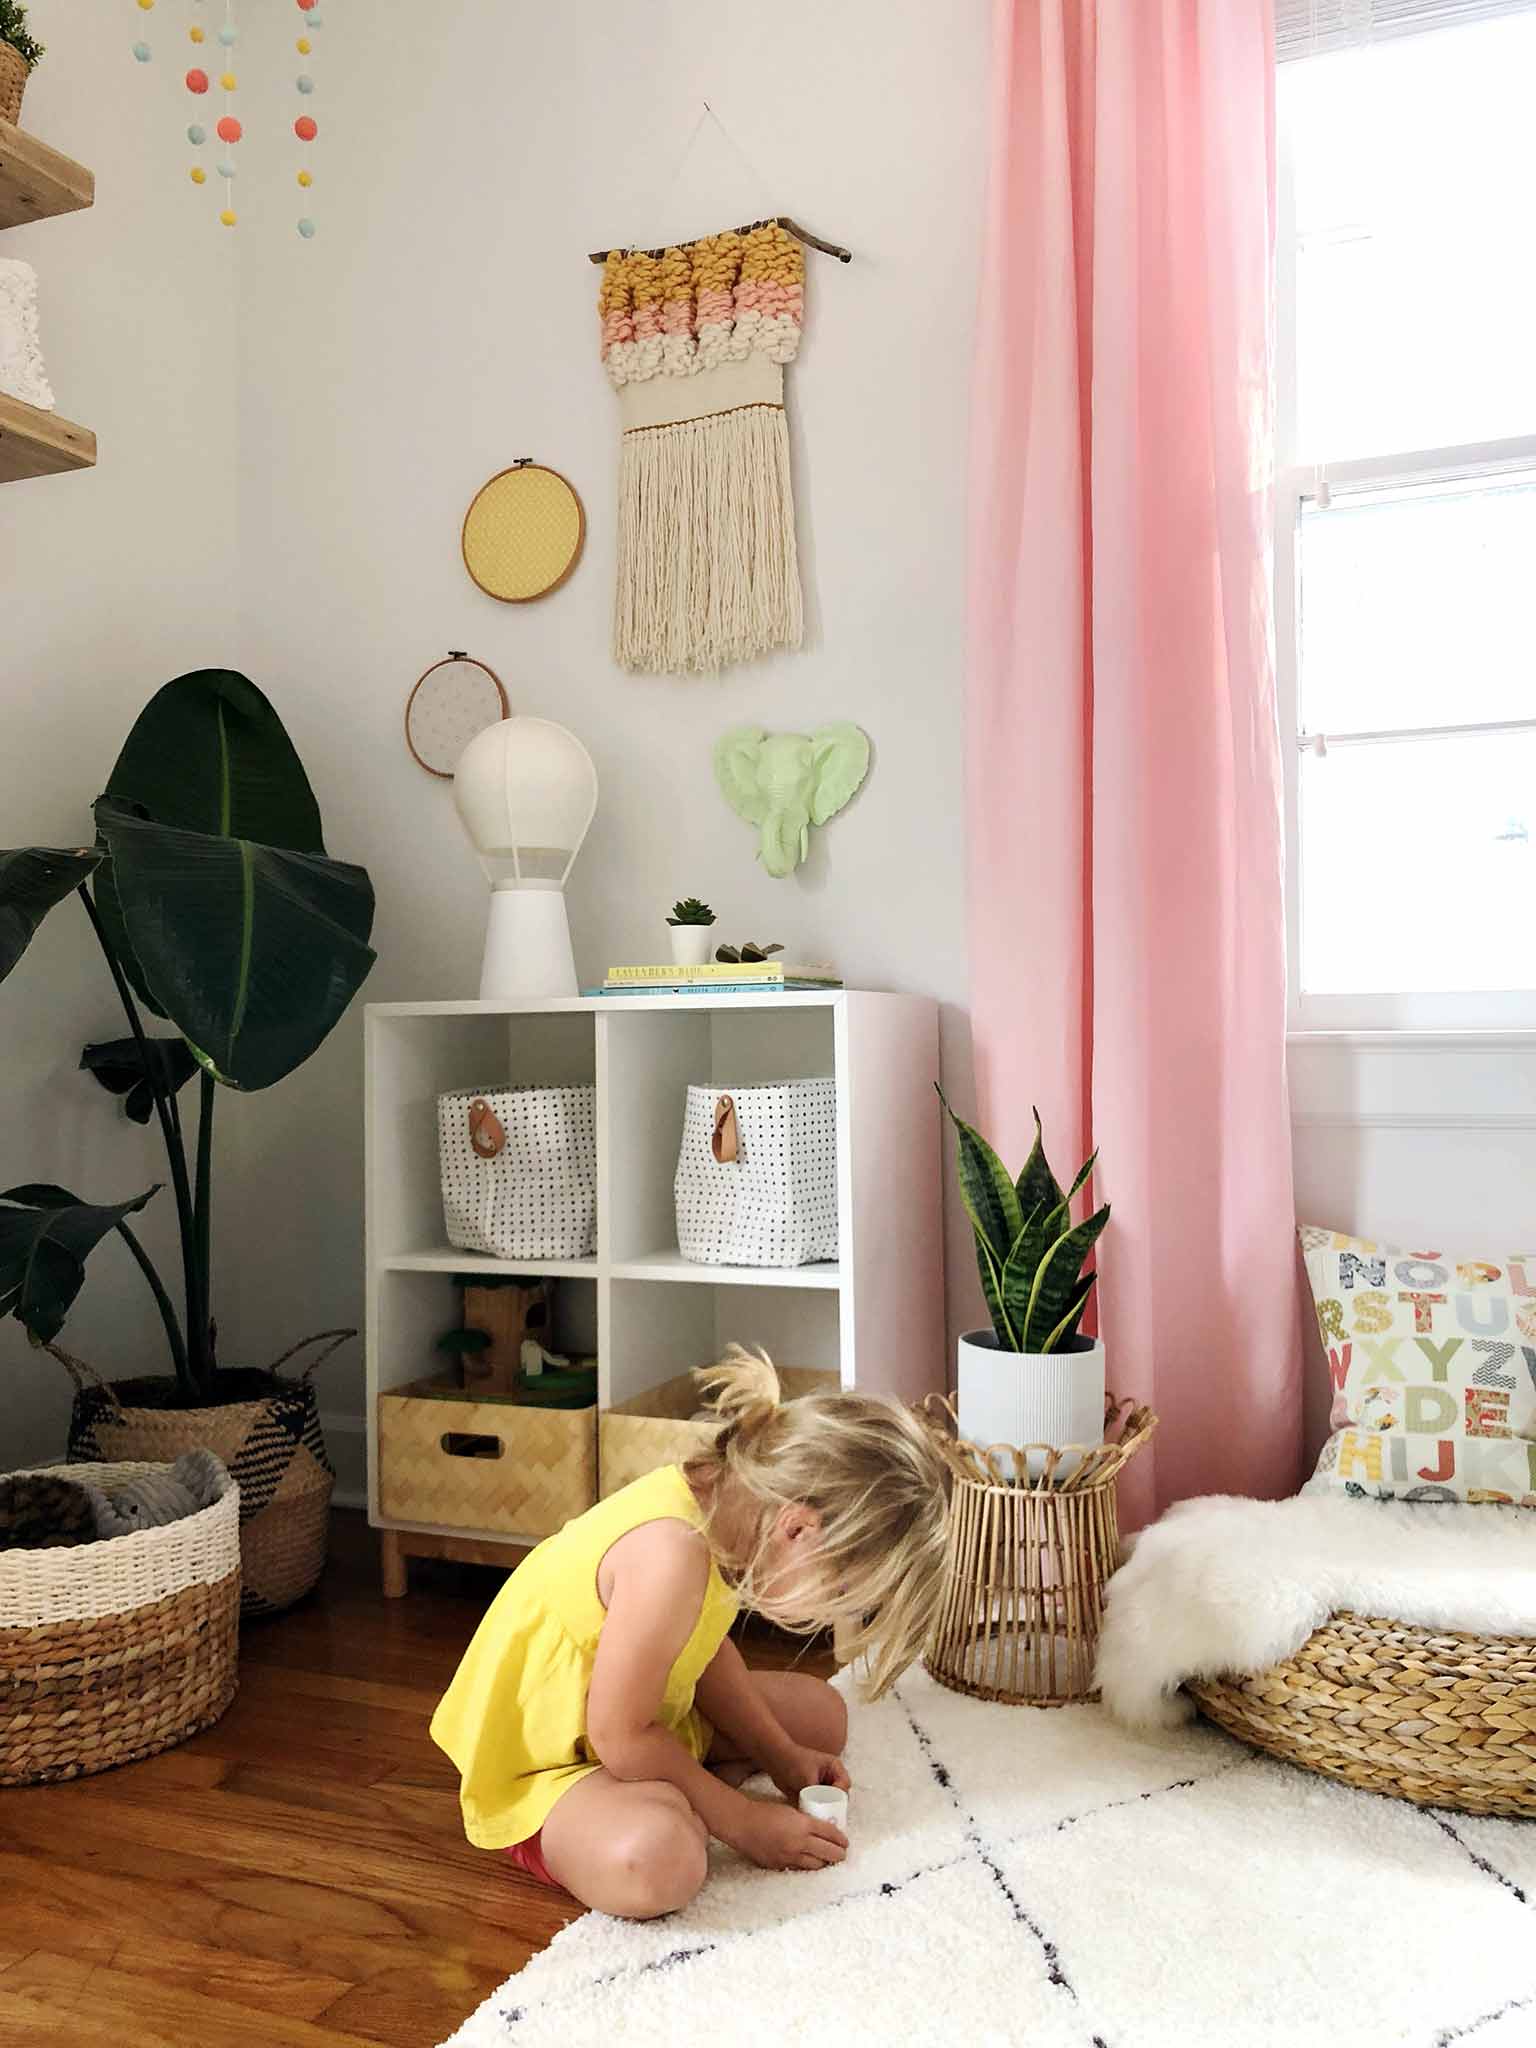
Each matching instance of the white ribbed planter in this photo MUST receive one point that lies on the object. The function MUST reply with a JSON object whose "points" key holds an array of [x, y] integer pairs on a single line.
{"points": [[1030, 1397], [692, 944]]}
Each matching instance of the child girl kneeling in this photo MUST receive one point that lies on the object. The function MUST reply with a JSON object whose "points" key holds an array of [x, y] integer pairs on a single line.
{"points": [[602, 1720]]}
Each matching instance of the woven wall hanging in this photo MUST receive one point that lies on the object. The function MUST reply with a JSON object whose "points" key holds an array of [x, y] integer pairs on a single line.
{"points": [[694, 341]]}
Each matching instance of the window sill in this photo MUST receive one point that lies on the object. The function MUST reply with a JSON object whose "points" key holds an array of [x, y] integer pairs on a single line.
{"points": [[1407, 1038]]}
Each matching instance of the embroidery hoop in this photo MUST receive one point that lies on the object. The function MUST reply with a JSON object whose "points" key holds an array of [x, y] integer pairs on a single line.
{"points": [[523, 532], [457, 702]]}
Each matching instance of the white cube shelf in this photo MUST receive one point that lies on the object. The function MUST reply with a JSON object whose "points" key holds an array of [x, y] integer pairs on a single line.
{"points": [[874, 1316]]}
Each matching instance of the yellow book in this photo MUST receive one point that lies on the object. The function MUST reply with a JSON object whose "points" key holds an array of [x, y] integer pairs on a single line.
{"points": [[712, 970]]}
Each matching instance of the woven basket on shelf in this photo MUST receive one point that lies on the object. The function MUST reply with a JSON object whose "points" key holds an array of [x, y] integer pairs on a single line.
{"points": [[273, 1446], [503, 1467], [115, 1650], [14, 74], [1435, 1717], [657, 1427]]}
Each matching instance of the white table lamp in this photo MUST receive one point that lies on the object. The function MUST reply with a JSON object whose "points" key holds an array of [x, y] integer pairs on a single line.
{"points": [[526, 792]]}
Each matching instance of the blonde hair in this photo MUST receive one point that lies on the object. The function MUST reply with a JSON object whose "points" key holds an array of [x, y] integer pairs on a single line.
{"points": [[879, 1484]]}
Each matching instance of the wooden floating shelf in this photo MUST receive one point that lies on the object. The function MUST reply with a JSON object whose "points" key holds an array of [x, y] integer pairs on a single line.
{"points": [[37, 182], [36, 443]]}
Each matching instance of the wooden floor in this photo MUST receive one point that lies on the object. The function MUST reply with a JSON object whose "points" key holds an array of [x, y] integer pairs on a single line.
{"points": [[297, 1877]]}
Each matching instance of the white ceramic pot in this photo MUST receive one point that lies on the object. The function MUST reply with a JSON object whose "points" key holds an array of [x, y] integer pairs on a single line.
{"points": [[692, 944], [1031, 1397]]}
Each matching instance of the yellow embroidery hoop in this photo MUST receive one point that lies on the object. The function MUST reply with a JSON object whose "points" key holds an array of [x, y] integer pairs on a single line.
{"points": [[523, 533]]}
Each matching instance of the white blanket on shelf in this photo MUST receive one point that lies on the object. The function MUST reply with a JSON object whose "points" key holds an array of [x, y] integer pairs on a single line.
{"points": [[1227, 1585]]}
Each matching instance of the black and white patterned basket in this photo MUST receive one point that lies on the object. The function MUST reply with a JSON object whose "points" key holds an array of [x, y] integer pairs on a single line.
{"points": [[775, 1202], [520, 1171]]}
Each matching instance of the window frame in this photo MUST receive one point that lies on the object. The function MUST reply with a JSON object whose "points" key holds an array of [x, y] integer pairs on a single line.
{"points": [[1490, 1013]]}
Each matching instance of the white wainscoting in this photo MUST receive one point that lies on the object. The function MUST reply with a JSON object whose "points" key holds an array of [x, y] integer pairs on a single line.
{"points": [[1426, 1139]]}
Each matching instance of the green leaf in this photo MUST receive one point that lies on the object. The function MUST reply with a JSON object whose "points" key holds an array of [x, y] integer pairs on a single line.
{"points": [[32, 880], [1066, 1329], [1037, 1184], [1083, 1172], [46, 1235], [253, 951], [1051, 1293], [986, 1187], [119, 1066], [208, 754]]}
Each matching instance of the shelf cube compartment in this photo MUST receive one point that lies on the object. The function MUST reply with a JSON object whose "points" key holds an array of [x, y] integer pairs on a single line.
{"points": [[659, 1427]]}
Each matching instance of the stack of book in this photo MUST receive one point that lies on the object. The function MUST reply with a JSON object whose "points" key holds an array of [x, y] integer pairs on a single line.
{"points": [[718, 977]]}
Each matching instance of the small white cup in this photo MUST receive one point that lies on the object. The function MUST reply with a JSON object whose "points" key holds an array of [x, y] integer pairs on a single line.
{"points": [[826, 1802]]}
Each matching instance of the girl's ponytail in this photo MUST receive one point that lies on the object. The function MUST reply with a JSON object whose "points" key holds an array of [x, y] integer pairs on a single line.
{"points": [[743, 1390]]}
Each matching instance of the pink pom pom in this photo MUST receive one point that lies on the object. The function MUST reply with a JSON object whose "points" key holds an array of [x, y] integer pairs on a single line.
{"points": [[229, 129], [305, 128], [197, 81]]}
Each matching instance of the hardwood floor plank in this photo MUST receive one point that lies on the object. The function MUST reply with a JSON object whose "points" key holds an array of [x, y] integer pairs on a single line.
{"points": [[146, 2011]]}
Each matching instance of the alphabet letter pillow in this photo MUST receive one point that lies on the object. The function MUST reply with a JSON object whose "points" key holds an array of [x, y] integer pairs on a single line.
{"points": [[1432, 1360]]}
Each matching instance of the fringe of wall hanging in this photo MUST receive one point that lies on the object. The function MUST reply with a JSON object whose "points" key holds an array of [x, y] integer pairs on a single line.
{"points": [[695, 341]]}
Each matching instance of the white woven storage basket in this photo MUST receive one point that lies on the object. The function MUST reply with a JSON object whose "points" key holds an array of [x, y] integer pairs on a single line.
{"points": [[756, 1181], [520, 1171]]}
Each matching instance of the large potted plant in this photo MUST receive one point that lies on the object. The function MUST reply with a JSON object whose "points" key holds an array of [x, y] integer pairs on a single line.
{"points": [[19, 52], [1033, 1378], [217, 909]]}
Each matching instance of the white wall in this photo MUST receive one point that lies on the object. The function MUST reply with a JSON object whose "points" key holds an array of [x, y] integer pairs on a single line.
{"points": [[441, 324], [111, 581], [1427, 1140]]}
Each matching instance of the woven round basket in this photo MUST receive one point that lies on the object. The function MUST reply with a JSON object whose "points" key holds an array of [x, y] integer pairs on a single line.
{"points": [[273, 1446], [14, 74], [112, 1651], [1441, 1719]]}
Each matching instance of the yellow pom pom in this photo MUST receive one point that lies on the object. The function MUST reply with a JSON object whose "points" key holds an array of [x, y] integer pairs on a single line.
{"points": [[227, 218], [228, 81], [146, 5], [303, 46], [198, 175], [195, 33], [306, 178]]}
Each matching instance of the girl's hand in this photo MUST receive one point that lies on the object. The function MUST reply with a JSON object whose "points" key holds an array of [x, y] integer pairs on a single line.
{"points": [[782, 1838], [799, 1767]]}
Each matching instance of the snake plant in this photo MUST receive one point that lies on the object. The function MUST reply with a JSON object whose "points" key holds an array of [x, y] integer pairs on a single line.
{"points": [[1028, 1250]]}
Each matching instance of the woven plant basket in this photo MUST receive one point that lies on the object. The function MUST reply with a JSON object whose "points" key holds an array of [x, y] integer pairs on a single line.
{"points": [[14, 74], [274, 1448], [1441, 1719], [113, 1651]]}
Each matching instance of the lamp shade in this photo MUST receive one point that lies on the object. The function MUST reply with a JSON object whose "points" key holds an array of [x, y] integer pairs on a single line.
{"points": [[526, 792]]}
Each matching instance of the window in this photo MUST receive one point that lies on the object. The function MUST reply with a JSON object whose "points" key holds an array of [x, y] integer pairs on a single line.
{"points": [[1406, 514]]}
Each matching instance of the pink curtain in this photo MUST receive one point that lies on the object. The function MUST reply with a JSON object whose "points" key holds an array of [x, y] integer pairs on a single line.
{"points": [[1128, 958]]}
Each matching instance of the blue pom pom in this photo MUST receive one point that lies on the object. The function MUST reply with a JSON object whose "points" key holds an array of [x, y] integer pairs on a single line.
{"points": [[226, 169], [197, 135], [307, 229], [304, 82], [228, 35], [143, 52]]}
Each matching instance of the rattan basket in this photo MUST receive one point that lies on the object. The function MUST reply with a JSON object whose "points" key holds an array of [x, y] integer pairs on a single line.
{"points": [[115, 1650], [1440, 1719], [14, 74]]}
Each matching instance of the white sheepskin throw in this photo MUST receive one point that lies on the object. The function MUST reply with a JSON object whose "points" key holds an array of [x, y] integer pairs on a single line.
{"points": [[1227, 1585]]}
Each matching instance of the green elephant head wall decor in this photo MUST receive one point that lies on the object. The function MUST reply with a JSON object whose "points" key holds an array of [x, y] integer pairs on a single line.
{"points": [[786, 782]]}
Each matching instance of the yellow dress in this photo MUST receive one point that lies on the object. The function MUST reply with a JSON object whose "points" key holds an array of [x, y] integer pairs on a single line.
{"points": [[514, 1720]]}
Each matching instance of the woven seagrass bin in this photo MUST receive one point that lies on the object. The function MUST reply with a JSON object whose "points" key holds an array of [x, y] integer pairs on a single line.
{"points": [[1440, 1719], [273, 1446], [13, 83], [503, 1467], [116, 1650], [657, 1427]]}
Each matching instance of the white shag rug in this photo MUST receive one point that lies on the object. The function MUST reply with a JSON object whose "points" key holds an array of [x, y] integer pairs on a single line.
{"points": [[1047, 1877], [1224, 1584]]}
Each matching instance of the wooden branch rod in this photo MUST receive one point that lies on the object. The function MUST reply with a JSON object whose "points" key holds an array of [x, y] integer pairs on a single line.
{"points": [[781, 220]]}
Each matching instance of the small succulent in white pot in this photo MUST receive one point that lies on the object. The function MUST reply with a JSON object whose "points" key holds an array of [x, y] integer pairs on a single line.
{"points": [[1033, 1378], [691, 923]]}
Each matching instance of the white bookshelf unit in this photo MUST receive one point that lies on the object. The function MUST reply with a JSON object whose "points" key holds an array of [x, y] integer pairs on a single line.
{"points": [[874, 1316]]}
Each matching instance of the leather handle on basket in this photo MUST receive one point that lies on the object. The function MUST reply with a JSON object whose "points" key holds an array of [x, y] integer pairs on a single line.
{"points": [[726, 1142], [486, 1137]]}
